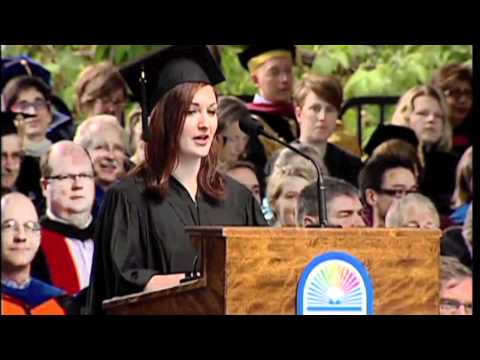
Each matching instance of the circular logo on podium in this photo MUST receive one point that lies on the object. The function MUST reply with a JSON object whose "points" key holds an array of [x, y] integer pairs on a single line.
{"points": [[335, 284]]}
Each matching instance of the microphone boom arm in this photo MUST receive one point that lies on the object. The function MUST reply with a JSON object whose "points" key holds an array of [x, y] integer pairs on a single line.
{"points": [[322, 203]]}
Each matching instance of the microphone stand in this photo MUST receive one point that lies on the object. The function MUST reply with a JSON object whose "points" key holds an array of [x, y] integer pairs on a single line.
{"points": [[322, 203]]}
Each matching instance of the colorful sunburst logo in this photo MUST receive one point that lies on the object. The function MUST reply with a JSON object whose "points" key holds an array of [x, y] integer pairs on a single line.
{"points": [[333, 284]]}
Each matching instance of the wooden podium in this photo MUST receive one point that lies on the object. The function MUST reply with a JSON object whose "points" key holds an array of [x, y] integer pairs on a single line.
{"points": [[256, 271]]}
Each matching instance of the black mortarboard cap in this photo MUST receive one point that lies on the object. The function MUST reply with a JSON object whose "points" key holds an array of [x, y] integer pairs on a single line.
{"points": [[8, 126], [252, 51], [384, 133], [15, 66], [166, 68]]}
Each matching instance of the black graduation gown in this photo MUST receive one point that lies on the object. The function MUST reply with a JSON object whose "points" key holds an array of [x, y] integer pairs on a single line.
{"points": [[438, 181], [463, 137], [137, 237], [453, 244], [28, 183], [340, 164], [279, 124]]}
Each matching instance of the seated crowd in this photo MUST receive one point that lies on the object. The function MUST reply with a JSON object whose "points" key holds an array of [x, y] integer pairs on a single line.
{"points": [[57, 167]]}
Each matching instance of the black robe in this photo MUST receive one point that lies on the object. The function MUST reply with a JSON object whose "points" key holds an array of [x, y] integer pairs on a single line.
{"points": [[138, 237], [453, 244], [340, 163], [438, 182], [28, 183]]}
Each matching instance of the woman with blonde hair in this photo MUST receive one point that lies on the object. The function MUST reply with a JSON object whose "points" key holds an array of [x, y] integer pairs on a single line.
{"points": [[463, 195], [284, 187], [425, 111]]}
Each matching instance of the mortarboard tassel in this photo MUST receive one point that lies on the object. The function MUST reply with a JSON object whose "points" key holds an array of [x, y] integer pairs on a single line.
{"points": [[146, 136]]}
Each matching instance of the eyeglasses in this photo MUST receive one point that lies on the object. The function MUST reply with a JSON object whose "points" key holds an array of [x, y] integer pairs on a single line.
{"points": [[105, 100], [457, 93], [398, 193], [70, 177], [12, 225], [452, 306], [24, 106]]}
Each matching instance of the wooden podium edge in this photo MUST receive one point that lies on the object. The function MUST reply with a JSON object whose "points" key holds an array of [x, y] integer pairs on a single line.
{"points": [[146, 296]]}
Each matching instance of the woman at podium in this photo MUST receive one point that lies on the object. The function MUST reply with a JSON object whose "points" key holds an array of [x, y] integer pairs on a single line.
{"points": [[140, 241]]}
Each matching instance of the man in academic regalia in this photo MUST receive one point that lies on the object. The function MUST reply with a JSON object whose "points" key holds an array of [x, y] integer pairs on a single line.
{"points": [[62, 124], [271, 69], [23, 294], [66, 252], [11, 152]]}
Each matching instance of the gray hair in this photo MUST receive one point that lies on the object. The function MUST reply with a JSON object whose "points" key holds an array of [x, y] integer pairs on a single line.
{"points": [[307, 201], [451, 268], [85, 134], [286, 158], [396, 215]]}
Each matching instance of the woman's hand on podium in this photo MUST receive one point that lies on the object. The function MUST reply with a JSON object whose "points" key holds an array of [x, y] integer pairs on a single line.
{"points": [[159, 282]]}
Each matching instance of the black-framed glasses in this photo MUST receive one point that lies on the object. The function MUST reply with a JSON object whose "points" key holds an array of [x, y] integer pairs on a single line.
{"points": [[70, 177], [398, 193], [452, 306], [24, 106], [12, 225]]}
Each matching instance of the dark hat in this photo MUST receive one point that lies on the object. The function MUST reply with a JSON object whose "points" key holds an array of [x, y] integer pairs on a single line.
{"points": [[384, 133], [7, 118], [166, 68], [8, 127], [252, 51], [23, 65]]}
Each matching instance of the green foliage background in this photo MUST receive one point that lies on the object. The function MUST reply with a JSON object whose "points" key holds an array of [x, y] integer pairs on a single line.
{"points": [[363, 69]]}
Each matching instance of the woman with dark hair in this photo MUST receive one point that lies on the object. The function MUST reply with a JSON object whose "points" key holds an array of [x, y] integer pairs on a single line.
{"points": [[455, 82], [141, 244]]}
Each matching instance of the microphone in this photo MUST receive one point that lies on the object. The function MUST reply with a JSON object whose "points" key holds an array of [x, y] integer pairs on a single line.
{"points": [[254, 128]]}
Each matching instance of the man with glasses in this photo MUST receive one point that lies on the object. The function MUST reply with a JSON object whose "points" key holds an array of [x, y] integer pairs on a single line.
{"points": [[66, 254], [456, 289], [383, 180], [62, 126], [23, 294], [106, 142], [30, 95]]}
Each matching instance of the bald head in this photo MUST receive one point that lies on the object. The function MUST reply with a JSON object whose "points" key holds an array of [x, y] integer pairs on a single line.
{"points": [[15, 203], [68, 182], [60, 154], [20, 233]]}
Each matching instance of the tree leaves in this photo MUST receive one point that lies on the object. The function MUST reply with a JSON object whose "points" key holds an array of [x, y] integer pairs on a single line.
{"points": [[363, 69]]}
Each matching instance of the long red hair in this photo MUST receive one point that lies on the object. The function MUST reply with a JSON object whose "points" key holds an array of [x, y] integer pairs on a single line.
{"points": [[162, 151]]}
